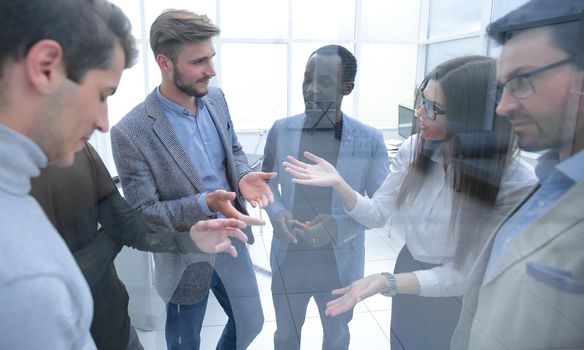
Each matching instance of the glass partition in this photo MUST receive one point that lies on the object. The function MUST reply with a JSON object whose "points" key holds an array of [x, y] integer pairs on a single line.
{"points": [[379, 227], [453, 17], [442, 51]]}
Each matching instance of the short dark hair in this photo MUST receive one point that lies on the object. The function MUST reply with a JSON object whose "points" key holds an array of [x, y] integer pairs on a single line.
{"points": [[173, 28], [87, 30], [348, 61], [562, 17]]}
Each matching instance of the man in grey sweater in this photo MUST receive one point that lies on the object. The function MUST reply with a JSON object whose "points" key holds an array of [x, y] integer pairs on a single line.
{"points": [[96, 222], [59, 61]]}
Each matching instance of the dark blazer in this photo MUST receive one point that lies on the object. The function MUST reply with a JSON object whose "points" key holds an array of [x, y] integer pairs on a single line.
{"points": [[158, 178]]}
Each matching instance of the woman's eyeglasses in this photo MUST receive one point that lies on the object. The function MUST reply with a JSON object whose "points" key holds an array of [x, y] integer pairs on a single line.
{"points": [[430, 108]]}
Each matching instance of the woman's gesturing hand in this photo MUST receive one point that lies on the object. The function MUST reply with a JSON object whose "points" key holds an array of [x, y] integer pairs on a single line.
{"points": [[321, 173]]}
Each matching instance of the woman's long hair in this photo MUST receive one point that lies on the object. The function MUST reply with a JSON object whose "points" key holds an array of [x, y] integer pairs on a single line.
{"points": [[478, 147]]}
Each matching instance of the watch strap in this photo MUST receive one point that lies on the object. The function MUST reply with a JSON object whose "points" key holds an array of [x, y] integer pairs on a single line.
{"points": [[392, 290]]}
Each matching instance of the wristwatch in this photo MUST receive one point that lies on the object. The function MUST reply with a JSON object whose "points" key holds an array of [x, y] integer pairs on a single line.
{"points": [[392, 290]]}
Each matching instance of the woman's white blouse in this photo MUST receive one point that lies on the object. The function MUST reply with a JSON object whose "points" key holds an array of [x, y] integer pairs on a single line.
{"points": [[425, 220]]}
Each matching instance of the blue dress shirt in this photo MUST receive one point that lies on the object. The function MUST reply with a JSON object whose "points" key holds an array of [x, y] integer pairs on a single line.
{"points": [[201, 142], [555, 180]]}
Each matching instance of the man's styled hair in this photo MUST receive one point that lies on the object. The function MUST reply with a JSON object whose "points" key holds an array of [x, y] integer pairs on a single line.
{"points": [[87, 30], [173, 28], [562, 17], [349, 62]]}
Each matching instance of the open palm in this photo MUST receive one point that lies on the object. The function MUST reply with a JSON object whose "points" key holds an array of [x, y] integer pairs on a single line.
{"points": [[221, 201], [321, 173], [213, 236], [354, 293], [254, 188]]}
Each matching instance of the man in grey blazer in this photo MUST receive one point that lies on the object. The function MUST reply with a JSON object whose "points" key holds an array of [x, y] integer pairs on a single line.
{"points": [[526, 290], [317, 247], [180, 162]]}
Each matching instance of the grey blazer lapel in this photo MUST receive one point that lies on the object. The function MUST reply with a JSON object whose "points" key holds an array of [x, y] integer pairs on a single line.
{"points": [[217, 115], [477, 273], [347, 148], [345, 157], [561, 216], [163, 129]]}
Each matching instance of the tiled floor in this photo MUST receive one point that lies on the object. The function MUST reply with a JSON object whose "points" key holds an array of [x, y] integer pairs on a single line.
{"points": [[370, 324]]}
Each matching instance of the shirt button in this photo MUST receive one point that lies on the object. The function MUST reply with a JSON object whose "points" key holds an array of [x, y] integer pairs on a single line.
{"points": [[541, 204]]}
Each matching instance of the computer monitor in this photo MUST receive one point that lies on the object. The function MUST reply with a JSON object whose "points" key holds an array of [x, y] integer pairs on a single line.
{"points": [[406, 120]]}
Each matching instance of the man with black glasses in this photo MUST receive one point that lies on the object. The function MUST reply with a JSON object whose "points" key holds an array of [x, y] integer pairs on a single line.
{"points": [[526, 290]]}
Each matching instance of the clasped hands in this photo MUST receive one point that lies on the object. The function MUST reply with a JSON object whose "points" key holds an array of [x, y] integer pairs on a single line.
{"points": [[317, 232], [322, 173]]}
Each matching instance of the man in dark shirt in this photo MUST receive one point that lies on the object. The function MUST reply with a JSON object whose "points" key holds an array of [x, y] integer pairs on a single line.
{"points": [[84, 205], [316, 246]]}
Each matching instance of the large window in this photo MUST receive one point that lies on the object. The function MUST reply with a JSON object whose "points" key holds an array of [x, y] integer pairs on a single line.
{"points": [[448, 17], [253, 77], [501, 7], [445, 50], [239, 19], [263, 49], [385, 21], [261, 56], [387, 79], [264, 45]]}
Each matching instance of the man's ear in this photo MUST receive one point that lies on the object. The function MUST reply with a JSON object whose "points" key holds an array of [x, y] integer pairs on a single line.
{"points": [[165, 63], [347, 88], [44, 65]]}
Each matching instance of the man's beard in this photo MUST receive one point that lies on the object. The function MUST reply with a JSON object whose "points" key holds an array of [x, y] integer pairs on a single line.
{"points": [[187, 89]]}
